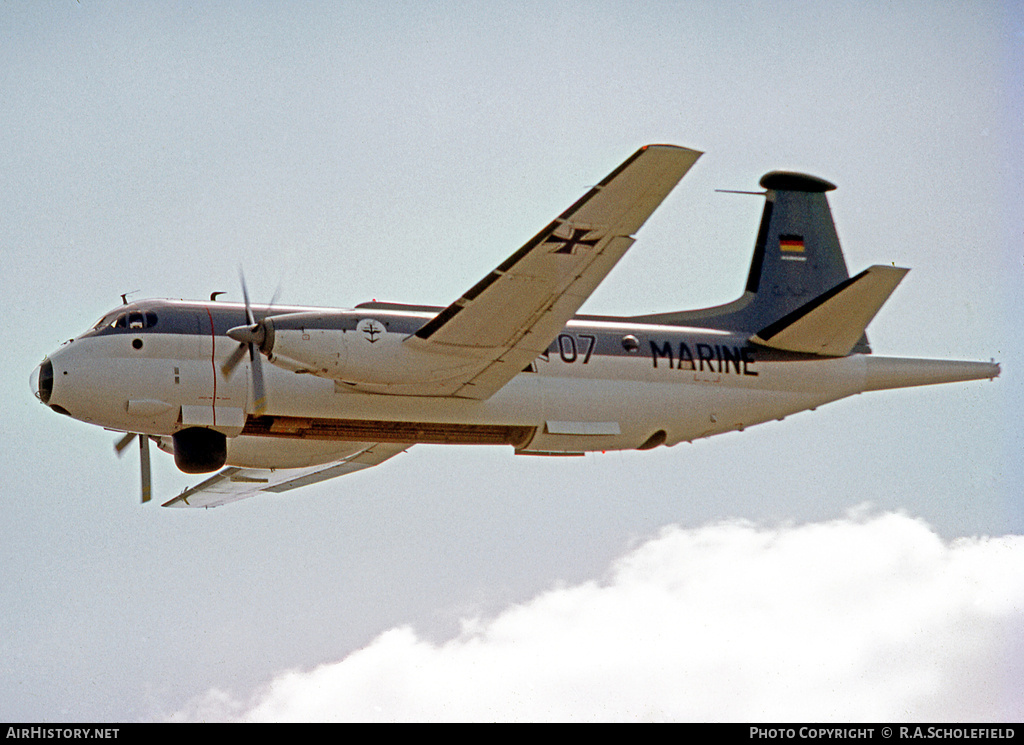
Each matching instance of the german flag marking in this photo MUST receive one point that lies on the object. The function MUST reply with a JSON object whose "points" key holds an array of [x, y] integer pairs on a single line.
{"points": [[791, 243]]}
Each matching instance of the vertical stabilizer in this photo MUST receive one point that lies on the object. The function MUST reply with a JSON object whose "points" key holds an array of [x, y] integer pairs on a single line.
{"points": [[797, 255]]}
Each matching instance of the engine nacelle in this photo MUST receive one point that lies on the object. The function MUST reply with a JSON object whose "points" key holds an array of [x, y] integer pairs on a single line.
{"points": [[354, 347], [199, 450]]}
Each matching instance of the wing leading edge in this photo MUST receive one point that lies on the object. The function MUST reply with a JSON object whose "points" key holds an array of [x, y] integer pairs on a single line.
{"points": [[232, 484], [511, 316]]}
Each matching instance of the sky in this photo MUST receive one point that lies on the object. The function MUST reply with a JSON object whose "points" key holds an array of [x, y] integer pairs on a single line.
{"points": [[861, 562]]}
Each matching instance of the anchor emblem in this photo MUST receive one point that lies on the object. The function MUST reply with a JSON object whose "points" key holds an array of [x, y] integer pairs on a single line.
{"points": [[370, 329]]}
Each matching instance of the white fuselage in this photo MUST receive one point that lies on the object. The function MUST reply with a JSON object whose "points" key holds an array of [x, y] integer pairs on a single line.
{"points": [[602, 385]]}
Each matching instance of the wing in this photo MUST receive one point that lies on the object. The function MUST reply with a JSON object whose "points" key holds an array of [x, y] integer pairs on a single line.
{"points": [[232, 484], [511, 316]]}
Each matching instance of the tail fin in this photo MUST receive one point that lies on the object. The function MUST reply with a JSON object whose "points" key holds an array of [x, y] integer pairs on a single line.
{"points": [[797, 255], [797, 258]]}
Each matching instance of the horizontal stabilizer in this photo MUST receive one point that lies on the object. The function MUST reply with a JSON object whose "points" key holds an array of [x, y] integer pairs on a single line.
{"points": [[833, 323]]}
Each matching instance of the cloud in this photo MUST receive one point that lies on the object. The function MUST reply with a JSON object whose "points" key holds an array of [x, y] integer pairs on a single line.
{"points": [[869, 618]]}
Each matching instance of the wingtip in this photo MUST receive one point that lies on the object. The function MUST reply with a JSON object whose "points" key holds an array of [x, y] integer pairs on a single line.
{"points": [[669, 146]]}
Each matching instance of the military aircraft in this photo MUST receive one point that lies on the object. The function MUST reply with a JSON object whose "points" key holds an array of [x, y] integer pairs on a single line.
{"points": [[508, 363]]}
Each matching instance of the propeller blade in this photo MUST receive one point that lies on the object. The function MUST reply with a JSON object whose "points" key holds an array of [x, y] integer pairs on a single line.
{"points": [[259, 392], [252, 337], [119, 448], [124, 442], [147, 484], [232, 362], [273, 299], [245, 296]]}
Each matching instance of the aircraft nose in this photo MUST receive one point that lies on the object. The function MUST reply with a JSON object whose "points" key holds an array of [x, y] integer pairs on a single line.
{"points": [[42, 381]]}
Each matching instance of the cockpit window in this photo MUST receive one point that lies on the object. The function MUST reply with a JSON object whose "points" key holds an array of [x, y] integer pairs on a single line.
{"points": [[133, 320]]}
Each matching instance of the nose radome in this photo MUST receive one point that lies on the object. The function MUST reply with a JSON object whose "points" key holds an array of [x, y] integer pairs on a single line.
{"points": [[42, 381]]}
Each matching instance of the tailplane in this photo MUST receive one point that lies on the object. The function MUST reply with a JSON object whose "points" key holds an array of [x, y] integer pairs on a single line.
{"points": [[832, 324]]}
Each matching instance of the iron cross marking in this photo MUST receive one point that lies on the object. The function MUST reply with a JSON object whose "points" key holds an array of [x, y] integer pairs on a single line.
{"points": [[568, 245]]}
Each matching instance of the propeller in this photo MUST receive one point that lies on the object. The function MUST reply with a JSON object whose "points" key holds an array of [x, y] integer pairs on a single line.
{"points": [[250, 337], [119, 448]]}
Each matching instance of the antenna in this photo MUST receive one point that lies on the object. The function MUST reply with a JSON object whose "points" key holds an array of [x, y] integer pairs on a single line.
{"points": [[124, 296], [733, 191]]}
